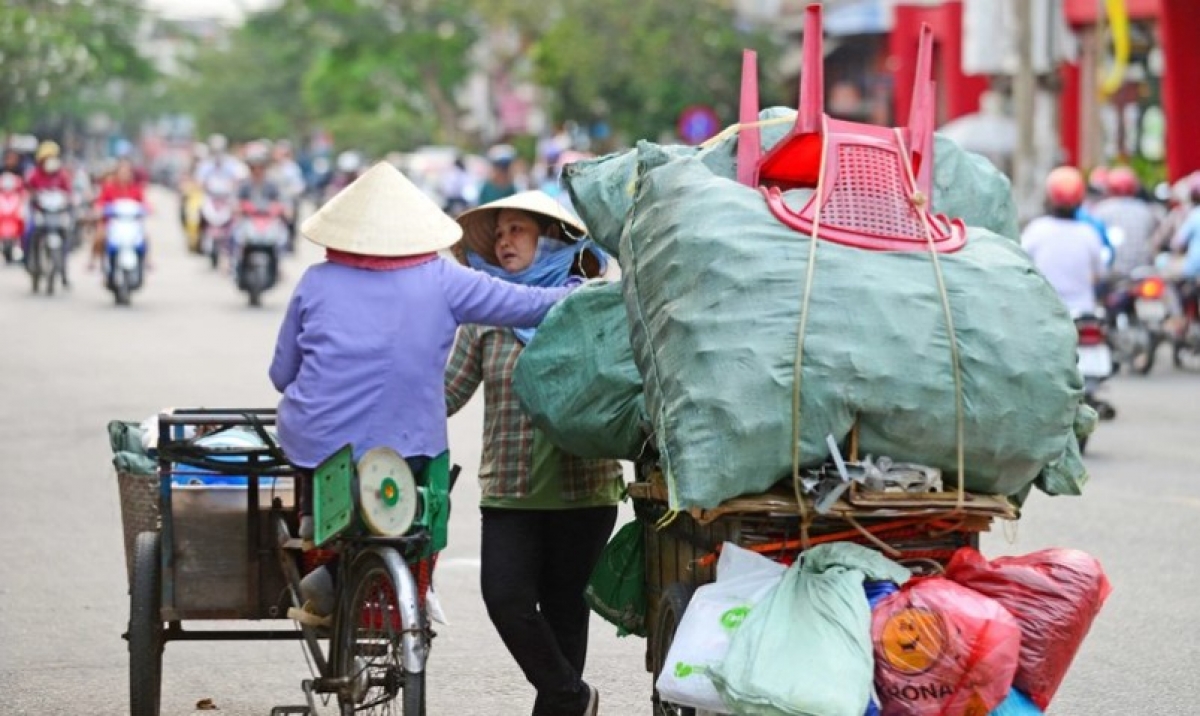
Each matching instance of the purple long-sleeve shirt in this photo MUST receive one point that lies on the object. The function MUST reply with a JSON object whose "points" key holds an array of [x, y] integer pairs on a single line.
{"points": [[361, 354]]}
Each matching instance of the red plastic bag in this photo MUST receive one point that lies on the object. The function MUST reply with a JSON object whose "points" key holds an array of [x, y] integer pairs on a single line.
{"points": [[1054, 594], [942, 650]]}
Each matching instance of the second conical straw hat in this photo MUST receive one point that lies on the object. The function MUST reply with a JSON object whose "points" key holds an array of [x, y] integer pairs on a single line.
{"points": [[382, 213]]}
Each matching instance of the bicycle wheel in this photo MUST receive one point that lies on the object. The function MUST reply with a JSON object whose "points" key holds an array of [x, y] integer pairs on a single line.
{"points": [[369, 651], [145, 628]]}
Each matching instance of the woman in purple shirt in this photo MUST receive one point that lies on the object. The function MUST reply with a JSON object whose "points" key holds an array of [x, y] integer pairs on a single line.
{"points": [[363, 347]]}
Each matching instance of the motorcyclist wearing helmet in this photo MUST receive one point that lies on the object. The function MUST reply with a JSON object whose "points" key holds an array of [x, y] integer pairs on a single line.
{"points": [[257, 188], [47, 174], [1185, 273], [1131, 221], [347, 168], [1187, 239], [257, 193], [122, 184], [220, 165], [1064, 249]]}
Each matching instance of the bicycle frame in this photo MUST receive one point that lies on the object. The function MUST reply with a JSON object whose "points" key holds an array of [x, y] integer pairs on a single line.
{"points": [[415, 650]]}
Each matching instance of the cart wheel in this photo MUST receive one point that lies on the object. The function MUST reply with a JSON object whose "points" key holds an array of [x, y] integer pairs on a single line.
{"points": [[368, 638], [671, 605], [145, 628]]}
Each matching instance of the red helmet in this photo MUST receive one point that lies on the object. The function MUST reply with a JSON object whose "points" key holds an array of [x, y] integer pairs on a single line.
{"points": [[1193, 186], [1098, 179], [1122, 182], [1065, 187]]}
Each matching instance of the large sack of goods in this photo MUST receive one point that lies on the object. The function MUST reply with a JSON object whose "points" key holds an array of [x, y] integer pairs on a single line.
{"points": [[577, 379], [594, 406], [966, 185], [713, 286]]}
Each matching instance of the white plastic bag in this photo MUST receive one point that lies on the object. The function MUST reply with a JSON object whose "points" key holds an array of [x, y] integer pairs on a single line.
{"points": [[744, 578]]}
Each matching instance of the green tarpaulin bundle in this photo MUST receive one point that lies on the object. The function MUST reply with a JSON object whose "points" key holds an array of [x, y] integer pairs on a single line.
{"points": [[577, 379], [713, 286]]}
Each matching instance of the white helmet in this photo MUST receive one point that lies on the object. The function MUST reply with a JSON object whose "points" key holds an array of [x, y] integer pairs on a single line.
{"points": [[348, 162], [257, 154], [218, 143]]}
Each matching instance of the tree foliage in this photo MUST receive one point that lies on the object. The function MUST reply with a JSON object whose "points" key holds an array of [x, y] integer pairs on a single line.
{"points": [[57, 55], [638, 65], [251, 87], [376, 73], [381, 74], [394, 64]]}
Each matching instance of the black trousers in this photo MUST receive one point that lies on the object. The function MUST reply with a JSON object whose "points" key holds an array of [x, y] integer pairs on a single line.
{"points": [[535, 565]]}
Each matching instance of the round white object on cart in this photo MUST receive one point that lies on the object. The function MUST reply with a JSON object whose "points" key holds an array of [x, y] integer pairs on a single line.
{"points": [[388, 496]]}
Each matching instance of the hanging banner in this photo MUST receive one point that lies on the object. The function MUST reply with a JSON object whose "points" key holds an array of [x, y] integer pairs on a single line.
{"points": [[1118, 22]]}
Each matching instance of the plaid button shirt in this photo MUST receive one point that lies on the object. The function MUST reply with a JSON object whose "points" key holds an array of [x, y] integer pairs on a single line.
{"points": [[488, 355]]}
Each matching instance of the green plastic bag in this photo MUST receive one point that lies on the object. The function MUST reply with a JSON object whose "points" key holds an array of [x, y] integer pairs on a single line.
{"points": [[805, 649], [617, 588], [713, 286], [129, 456], [577, 380]]}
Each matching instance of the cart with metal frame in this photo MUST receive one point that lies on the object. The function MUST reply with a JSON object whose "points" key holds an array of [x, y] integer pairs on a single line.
{"points": [[681, 548], [225, 550]]}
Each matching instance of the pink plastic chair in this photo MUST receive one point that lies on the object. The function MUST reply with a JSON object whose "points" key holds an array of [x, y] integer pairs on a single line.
{"points": [[867, 199]]}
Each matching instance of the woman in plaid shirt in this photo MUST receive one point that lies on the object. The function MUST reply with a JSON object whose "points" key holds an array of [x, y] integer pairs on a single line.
{"points": [[546, 515]]}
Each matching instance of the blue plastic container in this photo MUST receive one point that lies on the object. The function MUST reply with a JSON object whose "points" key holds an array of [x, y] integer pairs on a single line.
{"points": [[242, 438]]}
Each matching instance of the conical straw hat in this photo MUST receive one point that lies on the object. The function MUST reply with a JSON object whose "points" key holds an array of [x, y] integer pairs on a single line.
{"points": [[479, 224], [382, 213]]}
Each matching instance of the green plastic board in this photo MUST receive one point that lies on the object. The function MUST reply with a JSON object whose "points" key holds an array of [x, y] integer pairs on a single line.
{"points": [[333, 496], [434, 486]]}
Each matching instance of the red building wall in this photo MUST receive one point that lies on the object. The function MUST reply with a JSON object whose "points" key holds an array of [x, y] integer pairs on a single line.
{"points": [[1179, 32], [958, 94]]}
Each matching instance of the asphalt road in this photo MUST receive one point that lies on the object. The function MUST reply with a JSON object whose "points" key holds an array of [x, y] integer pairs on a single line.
{"points": [[71, 363]]}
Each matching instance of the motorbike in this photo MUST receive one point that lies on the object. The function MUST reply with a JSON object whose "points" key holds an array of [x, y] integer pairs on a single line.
{"points": [[12, 217], [261, 235], [216, 220], [1095, 360], [1185, 342], [1137, 309], [124, 248], [52, 224]]}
